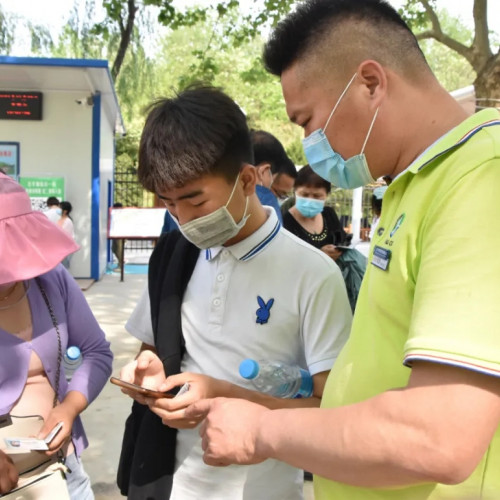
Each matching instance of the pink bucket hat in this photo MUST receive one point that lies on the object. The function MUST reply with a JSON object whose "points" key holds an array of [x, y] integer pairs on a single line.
{"points": [[30, 244]]}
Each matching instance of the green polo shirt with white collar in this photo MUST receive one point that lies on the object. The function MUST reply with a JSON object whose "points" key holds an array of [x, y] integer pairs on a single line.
{"points": [[431, 291]]}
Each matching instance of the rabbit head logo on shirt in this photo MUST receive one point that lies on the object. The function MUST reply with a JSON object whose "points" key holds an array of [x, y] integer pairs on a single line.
{"points": [[264, 311]]}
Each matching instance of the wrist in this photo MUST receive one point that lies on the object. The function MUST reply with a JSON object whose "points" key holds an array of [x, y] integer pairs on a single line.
{"points": [[264, 435]]}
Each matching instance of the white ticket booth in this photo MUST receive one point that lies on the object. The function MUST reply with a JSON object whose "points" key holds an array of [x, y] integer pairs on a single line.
{"points": [[58, 123]]}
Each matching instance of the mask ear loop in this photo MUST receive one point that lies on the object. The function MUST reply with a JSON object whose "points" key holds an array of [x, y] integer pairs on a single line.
{"points": [[338, 102], [245, 216], [369, 130], [232, 192]]}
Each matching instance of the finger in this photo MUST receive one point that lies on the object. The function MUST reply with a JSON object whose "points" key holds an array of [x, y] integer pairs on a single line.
{"points": [[145, 359], [171, 404], [169, 415], [58, 441], [200, 409], [127, 373], [181, 424], [12, 475], [213, 461], [175, 381]]}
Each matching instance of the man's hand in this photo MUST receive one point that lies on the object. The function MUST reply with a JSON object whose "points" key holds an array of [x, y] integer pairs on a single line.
{"points": [[8, 473], [171, 410], [146, 370], [332, 251], [230, 430]]}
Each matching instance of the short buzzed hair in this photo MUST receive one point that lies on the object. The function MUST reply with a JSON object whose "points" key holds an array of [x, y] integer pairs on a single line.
{"points": [[339, 34], [199, 131]]}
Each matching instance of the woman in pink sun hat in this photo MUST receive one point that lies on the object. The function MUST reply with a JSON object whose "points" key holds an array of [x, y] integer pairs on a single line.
{"points": [[42, 312]]}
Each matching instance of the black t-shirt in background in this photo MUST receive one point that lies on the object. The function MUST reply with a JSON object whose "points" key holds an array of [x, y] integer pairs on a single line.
{"points": [[333, 232]]}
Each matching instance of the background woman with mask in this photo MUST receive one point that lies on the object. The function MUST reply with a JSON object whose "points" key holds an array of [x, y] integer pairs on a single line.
{"points": [[314, 222], [310, 219]]}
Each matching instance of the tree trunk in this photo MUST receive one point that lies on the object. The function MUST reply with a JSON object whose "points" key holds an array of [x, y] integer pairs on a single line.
{"points": [[487, 84], [125, 36]]}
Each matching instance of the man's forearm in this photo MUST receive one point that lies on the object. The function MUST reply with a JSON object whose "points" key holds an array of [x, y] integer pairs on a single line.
{"points": [[271, 402], [401, 437]]}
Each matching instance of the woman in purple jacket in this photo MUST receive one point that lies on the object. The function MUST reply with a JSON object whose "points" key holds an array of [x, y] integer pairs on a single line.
{"points": [[42, 312]]}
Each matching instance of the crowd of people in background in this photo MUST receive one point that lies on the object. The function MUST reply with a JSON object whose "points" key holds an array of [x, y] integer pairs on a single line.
{"points": [[58, 212]]}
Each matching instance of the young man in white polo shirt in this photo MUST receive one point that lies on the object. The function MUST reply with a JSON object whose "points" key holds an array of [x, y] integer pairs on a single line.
{"points": [[196, 154]]}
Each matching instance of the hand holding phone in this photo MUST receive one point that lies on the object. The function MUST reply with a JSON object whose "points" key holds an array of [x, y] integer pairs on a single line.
{"points": [[144, 391]]}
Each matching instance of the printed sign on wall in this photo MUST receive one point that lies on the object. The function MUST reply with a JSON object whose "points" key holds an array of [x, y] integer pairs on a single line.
{"points": [[40, 188], [9, 158]]}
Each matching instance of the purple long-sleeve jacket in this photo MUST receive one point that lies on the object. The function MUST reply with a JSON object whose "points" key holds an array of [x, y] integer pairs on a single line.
{"points": [[77, 326]]}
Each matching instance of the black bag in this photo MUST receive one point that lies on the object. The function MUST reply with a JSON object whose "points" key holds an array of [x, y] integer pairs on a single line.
{"points": [[352, 263], [147, 457]]}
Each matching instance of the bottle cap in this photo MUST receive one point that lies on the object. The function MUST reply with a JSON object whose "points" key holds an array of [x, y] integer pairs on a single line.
{"points": [[73, 352], [249, 368]]}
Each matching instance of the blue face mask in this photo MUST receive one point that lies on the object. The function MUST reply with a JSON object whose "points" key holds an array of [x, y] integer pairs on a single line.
{"points": [[309, 207], [329, 164]]}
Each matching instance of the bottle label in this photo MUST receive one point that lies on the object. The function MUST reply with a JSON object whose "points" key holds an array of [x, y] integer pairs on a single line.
{"points": [[306, 387]]}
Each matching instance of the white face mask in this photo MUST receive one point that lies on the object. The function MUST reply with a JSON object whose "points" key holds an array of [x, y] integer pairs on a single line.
{"points": [[216, 228]]}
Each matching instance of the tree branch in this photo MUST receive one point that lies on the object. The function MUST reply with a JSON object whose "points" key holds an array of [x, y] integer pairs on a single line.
{"points": [[126, 34], [451, 43], [437, 33]]}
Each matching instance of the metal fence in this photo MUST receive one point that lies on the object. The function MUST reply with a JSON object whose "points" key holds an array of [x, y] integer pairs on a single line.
{"points": [[341, 201], [129, 192]]}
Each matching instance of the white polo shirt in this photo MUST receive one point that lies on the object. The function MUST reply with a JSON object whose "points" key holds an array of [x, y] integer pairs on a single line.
{"points": [[307, 324]]}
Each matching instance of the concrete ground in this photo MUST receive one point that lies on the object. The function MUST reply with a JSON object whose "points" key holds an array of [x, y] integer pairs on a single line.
{"points": [[112, 302]]}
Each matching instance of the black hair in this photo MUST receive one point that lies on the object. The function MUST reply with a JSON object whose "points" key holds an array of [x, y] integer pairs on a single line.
{"points": [[376, 205], [306, 176], [268, 149], [117, 205], [199, 131], [52, 200], [315, 21], [66, 206]]}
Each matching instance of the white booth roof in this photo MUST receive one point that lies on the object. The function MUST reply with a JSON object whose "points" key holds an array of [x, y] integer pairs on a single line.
{"points": [[88, 76]]}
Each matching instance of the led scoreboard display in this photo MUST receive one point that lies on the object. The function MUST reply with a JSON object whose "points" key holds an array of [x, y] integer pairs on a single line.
{"points": [[20, 105]]}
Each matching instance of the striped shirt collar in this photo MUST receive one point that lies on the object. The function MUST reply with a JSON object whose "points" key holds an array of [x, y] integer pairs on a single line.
{"points": [[253, 244]]}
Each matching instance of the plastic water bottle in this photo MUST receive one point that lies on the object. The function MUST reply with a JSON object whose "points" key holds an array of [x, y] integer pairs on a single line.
{"points": [[72, 359], [278, 379]]}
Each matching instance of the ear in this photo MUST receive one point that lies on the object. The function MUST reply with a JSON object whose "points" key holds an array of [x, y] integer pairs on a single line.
{"points": [[373, 80], [262, 166], [249, 178]]}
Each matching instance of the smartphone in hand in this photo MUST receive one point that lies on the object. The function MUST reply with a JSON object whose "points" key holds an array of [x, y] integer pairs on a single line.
{"points": [[142, 390]]}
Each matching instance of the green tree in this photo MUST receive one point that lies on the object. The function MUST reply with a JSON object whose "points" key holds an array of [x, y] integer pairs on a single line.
{"points": [[451, 69], [7, 31], [122, 17], [203, 52], [481, 51]]}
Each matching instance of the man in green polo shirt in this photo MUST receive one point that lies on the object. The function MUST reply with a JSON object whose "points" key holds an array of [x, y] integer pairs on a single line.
{"points": [[411, 409]]}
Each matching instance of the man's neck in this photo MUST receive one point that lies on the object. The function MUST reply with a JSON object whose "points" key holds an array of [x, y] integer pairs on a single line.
{"points": [[434, 114], [258, 217]]}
